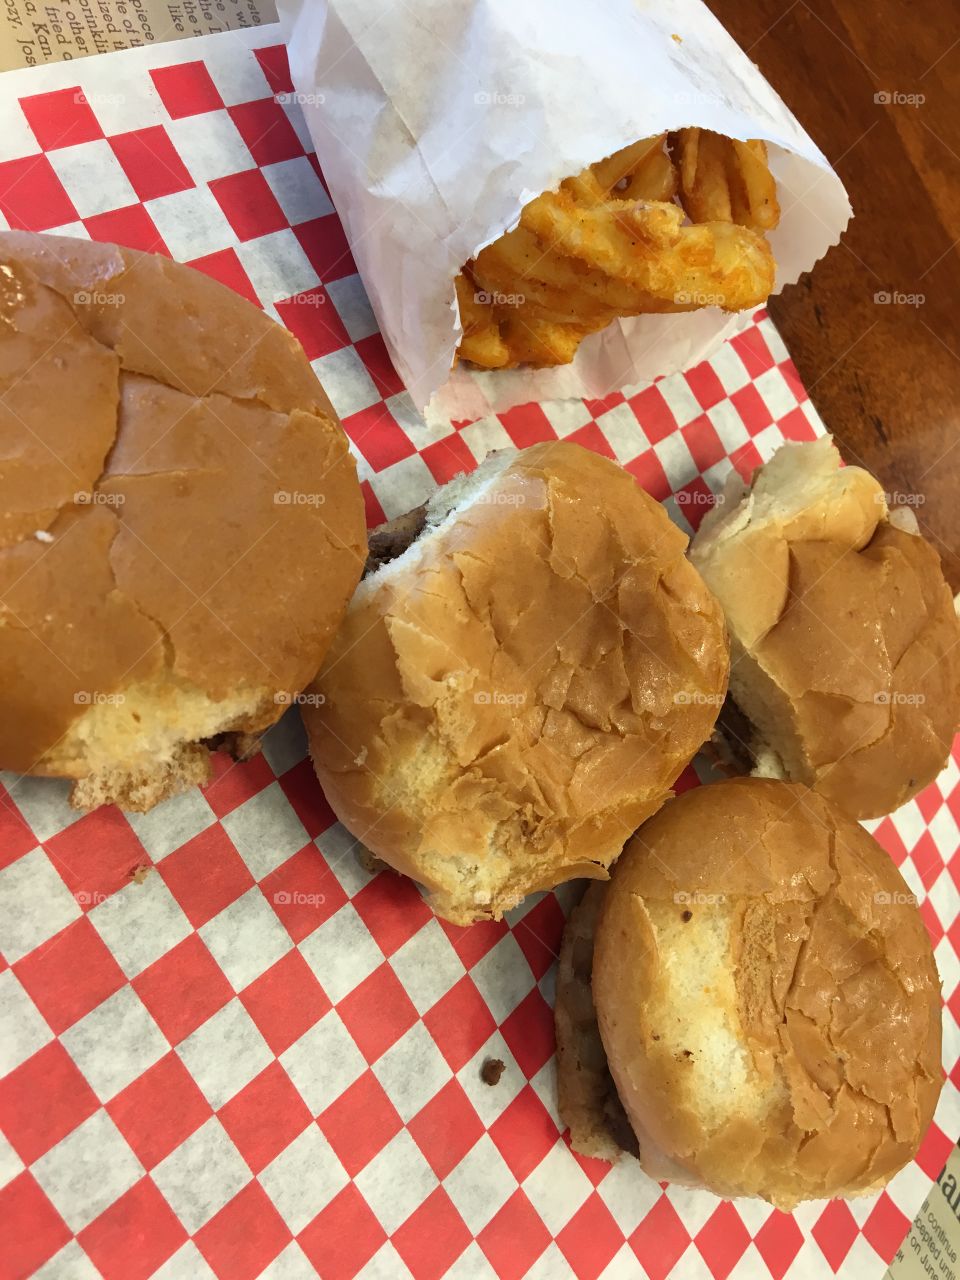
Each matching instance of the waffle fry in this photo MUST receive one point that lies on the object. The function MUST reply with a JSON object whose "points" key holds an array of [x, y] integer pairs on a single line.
{"points": [[614, 241], [724, 180]]}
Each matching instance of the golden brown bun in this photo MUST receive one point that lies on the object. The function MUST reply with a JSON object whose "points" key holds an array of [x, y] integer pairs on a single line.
{"points": [[844, 637], [506, 702], [767, 995], [180, 520]]}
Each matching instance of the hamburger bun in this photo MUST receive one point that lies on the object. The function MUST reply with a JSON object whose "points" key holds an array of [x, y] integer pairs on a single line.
{"points": [[767, 1000], [181, 525], [513, 694], [845, 643]]}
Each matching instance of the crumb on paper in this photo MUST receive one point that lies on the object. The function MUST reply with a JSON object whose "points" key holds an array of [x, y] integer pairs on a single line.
{"points": [[492, 1070], [139, 873], [369, 861], [676, 38]]}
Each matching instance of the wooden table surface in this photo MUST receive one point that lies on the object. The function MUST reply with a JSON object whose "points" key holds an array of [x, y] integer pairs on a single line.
{"points": [[876, 83]]}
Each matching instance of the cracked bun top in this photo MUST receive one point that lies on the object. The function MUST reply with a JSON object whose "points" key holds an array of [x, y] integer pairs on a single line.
{"points": [[509, 699], [767, 996], [844, 637], [180, 520]]}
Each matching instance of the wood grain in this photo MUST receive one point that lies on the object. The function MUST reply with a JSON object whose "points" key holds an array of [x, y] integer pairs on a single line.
{"points": [[885, 376]]}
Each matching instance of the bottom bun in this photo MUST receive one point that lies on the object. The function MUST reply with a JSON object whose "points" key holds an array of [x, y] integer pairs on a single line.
{"points": [[589, 1103]]}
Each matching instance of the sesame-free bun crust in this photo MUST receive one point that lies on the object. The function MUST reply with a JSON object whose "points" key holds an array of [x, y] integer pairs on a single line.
{"points": [[506, 702], [844, 638], [161, 583], [767, 995]]}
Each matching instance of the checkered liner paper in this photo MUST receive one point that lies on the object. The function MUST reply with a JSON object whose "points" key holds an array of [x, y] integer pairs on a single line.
{"points": [[257, 1059]]}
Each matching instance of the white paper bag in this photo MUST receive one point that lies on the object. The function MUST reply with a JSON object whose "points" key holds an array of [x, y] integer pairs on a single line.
{"points": [[436, 121]]}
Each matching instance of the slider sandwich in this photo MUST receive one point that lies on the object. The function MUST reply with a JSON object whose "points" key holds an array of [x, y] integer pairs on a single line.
{"points": [[181, 524], [751, 1005], [845, 644], [528, 665]]}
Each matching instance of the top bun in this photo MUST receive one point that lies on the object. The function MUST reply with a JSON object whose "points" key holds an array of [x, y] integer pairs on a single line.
{"points": [[509, 699], [844, 638], [180, 520], [767, 996]]}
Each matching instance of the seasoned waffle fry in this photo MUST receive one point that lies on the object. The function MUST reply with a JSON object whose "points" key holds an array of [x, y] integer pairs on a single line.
{"points": [[613, 242], [644, 171], [724, 180], [481, 344]]}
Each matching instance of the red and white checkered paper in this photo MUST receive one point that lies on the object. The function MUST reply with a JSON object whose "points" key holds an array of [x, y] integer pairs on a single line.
{"points": [[262, 1061]]}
